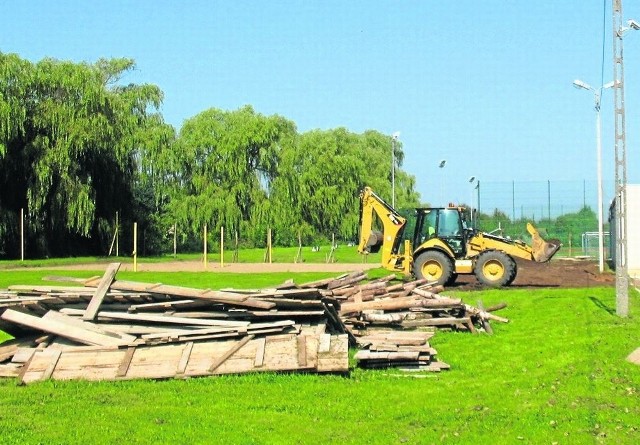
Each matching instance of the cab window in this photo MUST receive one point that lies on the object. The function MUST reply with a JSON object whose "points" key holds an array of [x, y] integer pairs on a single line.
{"points": [[449, 223]]}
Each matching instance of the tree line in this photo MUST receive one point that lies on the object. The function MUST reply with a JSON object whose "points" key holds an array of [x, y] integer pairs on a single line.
{"points": [[78, 145]]}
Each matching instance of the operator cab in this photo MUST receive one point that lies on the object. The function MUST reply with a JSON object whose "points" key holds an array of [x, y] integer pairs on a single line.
{"points": [[447, 224]]}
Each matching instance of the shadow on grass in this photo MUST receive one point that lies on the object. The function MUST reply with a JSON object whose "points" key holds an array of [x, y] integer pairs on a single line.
{"points": [[603, 306]]}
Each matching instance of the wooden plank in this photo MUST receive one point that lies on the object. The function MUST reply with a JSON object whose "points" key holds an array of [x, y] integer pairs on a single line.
{"points": [[165, 305], [101, 291], [24, 370], [260, 348], [155, 318], [237, 346], [10, 347], [634, 357], [23, 355], [485, 323], [55, 356], [234, 299], [62, 329], [441, 321], [184, 359], [54, 315], [302, 351], [325, 343], [10, 370], [126, 362], [400, 303], [337, 358]]}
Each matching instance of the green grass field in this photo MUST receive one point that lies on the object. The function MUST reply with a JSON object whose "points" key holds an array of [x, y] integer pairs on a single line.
{"points": [[555, 374], [342, 254]]}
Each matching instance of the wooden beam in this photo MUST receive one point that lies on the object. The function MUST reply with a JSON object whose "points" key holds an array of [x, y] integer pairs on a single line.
{"points": [[155, 318], [58, 316], [235, 348], [230, 298], [101, 291], [62, 329], [55, 356], [259, 360], [126, 362], [302, 351], [184, 358]]}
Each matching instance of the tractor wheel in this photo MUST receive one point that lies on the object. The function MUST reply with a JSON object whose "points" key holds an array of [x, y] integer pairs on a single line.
{"points": [[433, 266], [515, 273], [450, 281], [495, 268]]}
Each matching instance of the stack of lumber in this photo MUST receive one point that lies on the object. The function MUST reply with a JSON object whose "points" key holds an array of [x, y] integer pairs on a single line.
{"points": [[416, 304], [409, 351], [108, 329]]}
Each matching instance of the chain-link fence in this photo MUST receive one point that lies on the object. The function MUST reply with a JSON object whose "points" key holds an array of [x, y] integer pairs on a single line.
{"points": [[566, 210]]}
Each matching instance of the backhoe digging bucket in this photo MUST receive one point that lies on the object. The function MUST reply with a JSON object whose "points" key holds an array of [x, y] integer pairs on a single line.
{"points": [[374, 242], [543, 250]]}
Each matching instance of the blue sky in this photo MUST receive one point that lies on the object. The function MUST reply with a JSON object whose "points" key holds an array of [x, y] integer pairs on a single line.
{"points": [[486, 85]]}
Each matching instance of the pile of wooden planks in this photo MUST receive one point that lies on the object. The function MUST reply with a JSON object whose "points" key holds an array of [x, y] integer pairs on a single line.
{"points": [[108, 329], [408, 351]]}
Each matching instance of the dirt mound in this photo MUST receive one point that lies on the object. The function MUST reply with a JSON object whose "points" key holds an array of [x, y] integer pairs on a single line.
{"points": [[567, 273]]}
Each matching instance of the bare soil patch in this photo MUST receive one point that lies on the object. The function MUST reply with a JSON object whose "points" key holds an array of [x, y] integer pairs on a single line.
{"points": [[563, 273]]}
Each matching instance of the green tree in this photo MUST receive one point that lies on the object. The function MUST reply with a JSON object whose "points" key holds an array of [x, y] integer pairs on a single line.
{"points": [[224, 164], [318, 186], [68, 138]]}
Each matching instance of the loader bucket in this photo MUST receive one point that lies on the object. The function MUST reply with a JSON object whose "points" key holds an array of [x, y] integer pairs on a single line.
{"points": [[543, 250]]}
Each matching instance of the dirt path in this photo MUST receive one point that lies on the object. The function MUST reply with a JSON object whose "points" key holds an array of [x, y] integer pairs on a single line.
{"points": [[198, 266], [557, 273]]}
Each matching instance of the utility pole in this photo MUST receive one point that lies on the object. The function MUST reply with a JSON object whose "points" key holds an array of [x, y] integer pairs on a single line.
{"points": [[622, 278]]}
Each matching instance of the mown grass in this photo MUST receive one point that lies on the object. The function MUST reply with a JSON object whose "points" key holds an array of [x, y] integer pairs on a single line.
{"points": [[555, 374], [342, 254]]}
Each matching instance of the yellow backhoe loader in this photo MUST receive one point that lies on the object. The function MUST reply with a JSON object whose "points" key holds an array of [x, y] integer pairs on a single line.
{"points": [[437, 245]]}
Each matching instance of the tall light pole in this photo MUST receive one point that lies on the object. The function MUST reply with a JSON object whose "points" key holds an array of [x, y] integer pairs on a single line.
{"points": [[441, 165], [471, 180], [478, 204], [394, 139], [597, 93]]}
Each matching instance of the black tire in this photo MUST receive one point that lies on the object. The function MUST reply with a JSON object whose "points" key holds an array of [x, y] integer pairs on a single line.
{"points": [[515, 273], [495, 269], [434, 266], [450, 281]]}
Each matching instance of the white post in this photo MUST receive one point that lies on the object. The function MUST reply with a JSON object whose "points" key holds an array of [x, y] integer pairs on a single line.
{"points": [[117, 236], [22, 234], [600, 204], [135, 246], [175, 239]]}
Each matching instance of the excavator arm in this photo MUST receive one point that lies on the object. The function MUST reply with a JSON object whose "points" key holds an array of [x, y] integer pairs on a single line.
{"points": [[389, 240]]}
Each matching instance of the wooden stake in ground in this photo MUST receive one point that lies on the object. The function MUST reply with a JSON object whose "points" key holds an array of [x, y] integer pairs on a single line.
{"points": [[204, 241], [135, 246], [221, 246]]}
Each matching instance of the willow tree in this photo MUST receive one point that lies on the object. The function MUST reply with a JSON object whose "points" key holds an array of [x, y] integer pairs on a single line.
{"points": [[321, 176], [67, 146], [225, 163]]}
